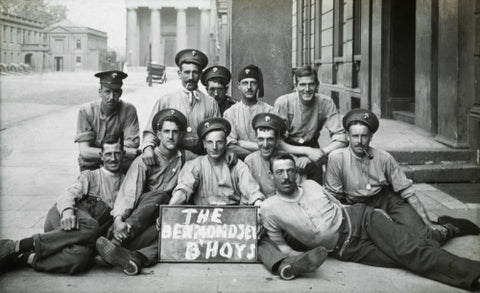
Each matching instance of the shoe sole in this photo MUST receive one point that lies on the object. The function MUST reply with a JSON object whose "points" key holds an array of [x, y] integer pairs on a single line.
{"points": [[116, 256]]}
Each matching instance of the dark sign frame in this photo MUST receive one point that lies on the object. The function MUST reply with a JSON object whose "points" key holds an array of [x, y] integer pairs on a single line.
{"points": [[248, 213]]}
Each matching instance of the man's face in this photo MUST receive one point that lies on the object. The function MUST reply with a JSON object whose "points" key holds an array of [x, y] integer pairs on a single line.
{"points": [[189, 74], [216, 90], [248, 87], [112, 155], [306, 88], [110, 97], [266, 141], [215, 144], [284, 176], [169, 135], [359, 137]]}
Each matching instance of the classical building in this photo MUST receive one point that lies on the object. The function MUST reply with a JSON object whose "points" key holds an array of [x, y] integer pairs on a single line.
{"points": [[169, 26], [75, 47], [22, 41]]}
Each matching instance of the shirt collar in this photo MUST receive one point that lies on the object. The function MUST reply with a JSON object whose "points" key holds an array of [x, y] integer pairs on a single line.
{"points": [[196, 93]]}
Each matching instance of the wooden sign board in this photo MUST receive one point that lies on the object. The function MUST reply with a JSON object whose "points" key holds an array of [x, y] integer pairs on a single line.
{"points": [[208, 234]]}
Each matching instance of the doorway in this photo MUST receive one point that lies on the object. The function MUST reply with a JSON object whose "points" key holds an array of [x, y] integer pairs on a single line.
{"points": [[58, 63]]}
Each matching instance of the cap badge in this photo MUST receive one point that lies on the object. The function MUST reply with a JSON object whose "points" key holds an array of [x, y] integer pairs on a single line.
{"points": [[366, 116], [173, 112], [114, 75], [267, 118], [215, 69], [194, 53], [207, 125], [247, 71]]}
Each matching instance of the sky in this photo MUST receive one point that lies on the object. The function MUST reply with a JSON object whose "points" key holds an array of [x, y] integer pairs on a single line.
{"points": [[105, 15]]}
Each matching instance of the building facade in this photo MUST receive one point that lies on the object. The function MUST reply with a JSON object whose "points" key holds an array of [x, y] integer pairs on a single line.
{"points": [[75, 48], [168, 26], [22, 41]]}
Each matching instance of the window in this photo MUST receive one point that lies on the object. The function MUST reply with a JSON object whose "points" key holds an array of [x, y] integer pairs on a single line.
{"points": [[338, 29], [308, 31], [79, 44], [78, 60]]}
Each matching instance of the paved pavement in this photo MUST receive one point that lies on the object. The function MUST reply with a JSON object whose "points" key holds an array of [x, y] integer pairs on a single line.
{"points": [[38, 161]]}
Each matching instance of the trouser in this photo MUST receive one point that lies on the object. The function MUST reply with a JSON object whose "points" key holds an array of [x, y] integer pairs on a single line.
{"points": [[373, 239], [143, 235], [312, 171], [403, 213], [69, 252]]}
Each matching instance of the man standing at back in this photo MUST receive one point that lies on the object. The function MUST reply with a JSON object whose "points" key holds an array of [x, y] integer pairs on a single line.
{"points": [[241, 140], [216, 80], [194, 104], [107, 117]]}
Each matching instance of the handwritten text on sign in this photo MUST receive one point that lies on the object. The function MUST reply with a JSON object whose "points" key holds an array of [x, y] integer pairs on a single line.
{"points": [[208, 234]]}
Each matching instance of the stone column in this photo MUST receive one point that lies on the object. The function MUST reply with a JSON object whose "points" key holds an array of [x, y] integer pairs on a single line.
{"points": [[181, 28], [155, 34], [132, 41], [204, 29]]}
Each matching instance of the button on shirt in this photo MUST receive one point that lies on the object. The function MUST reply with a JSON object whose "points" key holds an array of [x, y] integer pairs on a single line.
{"points": [[313, 218], [306, 122], [142, 178], [99, 183], [93, 126], [240, 117], [358, 178], [197, 108], [224, 186]]}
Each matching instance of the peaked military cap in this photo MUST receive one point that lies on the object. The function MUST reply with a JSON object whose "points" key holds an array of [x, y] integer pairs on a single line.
{"points": [[269, 120], [216, 71], [364, 116], [169, 113], [211, 124], [191, 56], [252, 71], [112, 79]]}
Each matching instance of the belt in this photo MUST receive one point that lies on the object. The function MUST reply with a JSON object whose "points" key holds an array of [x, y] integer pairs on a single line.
{"points": [[345, 233]]}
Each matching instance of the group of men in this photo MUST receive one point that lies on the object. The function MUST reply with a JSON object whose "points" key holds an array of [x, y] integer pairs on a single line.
{"points": [[210, 150]]}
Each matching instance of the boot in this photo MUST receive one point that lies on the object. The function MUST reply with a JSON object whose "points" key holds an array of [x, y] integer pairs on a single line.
{"points": [[129, 261], [306, 262]]}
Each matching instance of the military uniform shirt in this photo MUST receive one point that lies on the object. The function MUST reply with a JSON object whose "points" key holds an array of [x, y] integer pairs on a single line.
{"points": [[99, 183], [304, 123], [142, 178], [360, 177], [240, 117], [313, 218], [197, 108], [234, 186], [93, 126]]}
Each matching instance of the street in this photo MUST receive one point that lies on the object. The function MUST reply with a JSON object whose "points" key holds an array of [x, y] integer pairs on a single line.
{"points": [[38, 160]]}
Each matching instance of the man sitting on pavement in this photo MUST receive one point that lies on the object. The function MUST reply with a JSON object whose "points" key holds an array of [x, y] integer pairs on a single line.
{"points": [[216, 80], [359, 233], [194, 104], [362, 174], [107, 117], [306, 113], [72, 225], [241, 140], [207, 180], [145, 187]]}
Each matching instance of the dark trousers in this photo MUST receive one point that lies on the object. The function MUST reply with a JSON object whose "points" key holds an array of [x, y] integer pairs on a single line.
{"points": [[376, 240], [143, 236], [62, 251], [403, 213]]}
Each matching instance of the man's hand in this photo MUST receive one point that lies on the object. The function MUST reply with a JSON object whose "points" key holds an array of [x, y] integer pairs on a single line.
{"points": [[315, 154], [302, 163], [148, 157], [442, 229], [121, 229], [231, 159], [69, 221], [158, 224], [131, 153]]}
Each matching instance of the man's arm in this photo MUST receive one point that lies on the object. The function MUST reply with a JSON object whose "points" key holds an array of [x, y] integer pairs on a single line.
{"points": [[66, 202], [131, 133], [334, 180], [187, 182], [249, 187], [88, 152]]}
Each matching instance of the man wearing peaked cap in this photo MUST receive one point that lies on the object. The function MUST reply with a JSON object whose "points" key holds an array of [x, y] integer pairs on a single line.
{"points": [[143, 189], [194, 104], [307, 113], [208, 180], [107, 117], [216, 80], [363, 174], [242, 138]]}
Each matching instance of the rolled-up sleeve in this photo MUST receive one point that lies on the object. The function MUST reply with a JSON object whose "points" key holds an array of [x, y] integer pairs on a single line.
{"points": [[85, 131], [397, 178], [131, 188], [131, 130], [333, 122], [189, 178], [249, 187], [73, 193]]}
